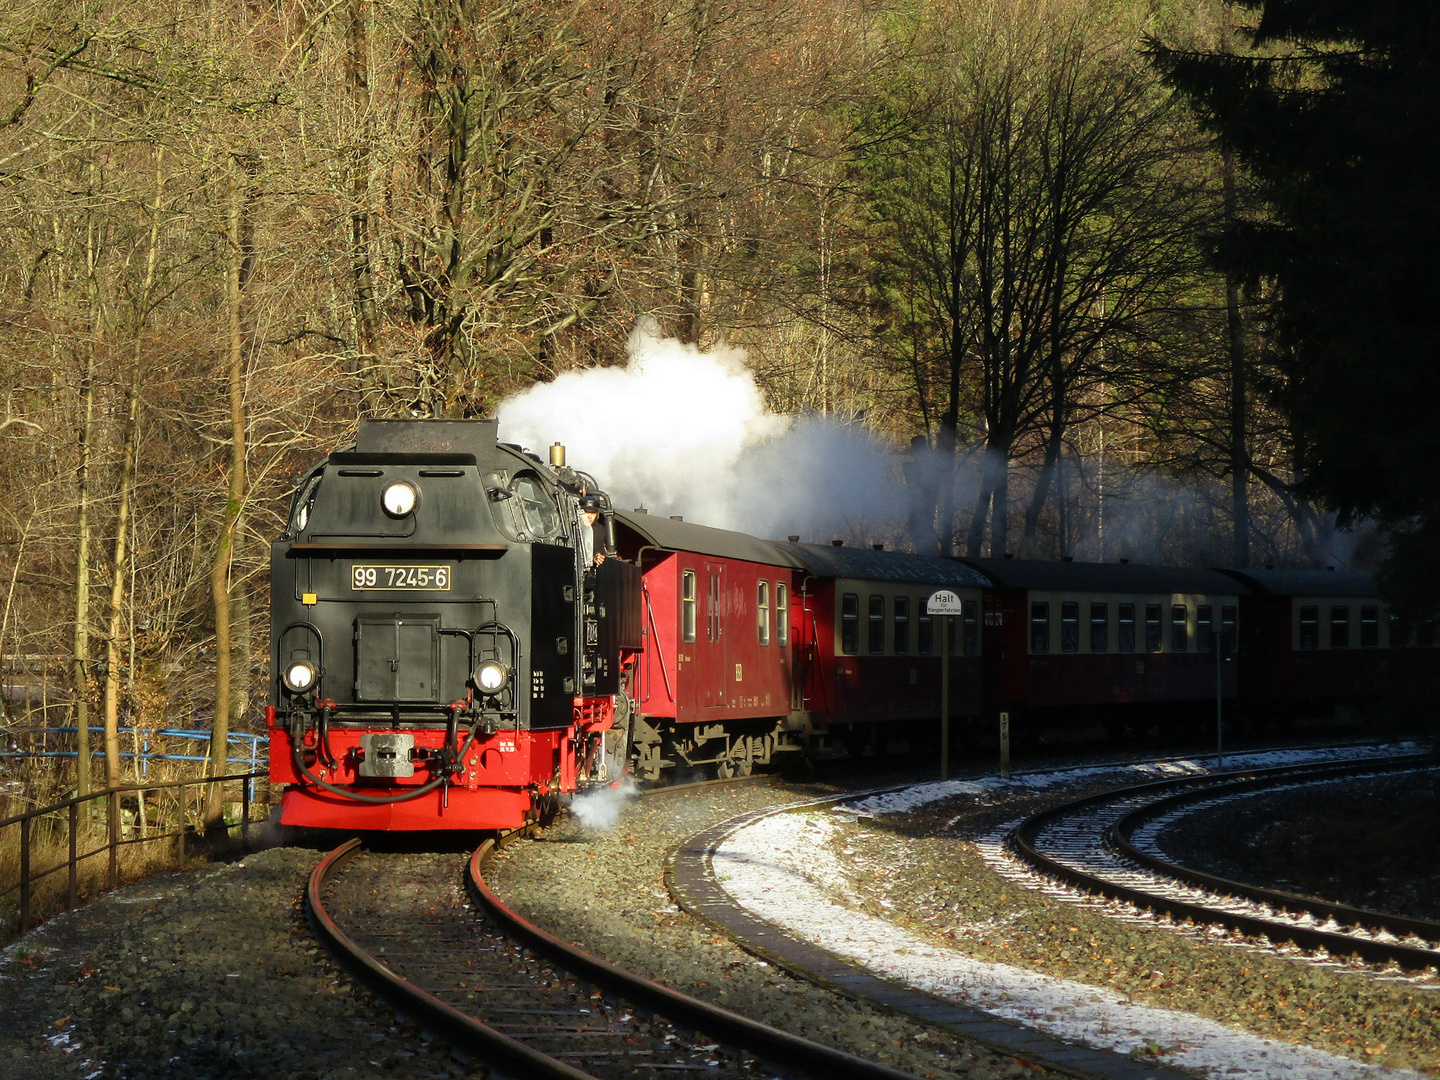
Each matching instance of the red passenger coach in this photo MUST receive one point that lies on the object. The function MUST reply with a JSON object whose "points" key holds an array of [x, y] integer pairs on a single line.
{"points": [[713, 685], [869, 653], [1068, 635], [1312, 638]]}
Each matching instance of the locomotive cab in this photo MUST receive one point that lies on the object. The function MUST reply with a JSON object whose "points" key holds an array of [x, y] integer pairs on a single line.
{"points": [[442, 658]]}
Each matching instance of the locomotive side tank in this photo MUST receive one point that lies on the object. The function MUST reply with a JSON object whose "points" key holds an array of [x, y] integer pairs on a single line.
{"points": [[443, 655]]}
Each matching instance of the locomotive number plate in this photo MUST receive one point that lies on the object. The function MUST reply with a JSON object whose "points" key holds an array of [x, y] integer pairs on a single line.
{"points": [[391, 578]]}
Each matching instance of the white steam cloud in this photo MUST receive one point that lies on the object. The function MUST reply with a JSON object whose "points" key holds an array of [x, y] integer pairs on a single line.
{"points": [[681, 431], [600, 809]]}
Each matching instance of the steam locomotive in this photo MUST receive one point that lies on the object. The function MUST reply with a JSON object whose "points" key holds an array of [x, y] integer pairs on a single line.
{"points": [[456, 646]]}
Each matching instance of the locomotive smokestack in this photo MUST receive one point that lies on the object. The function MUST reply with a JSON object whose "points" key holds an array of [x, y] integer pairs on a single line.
{"points": [[557, 455]]}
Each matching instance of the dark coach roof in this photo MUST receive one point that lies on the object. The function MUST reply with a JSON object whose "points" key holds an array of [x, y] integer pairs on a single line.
{"points": [[1306, 582], [671, 535], [1059, 576], [829, 561]]}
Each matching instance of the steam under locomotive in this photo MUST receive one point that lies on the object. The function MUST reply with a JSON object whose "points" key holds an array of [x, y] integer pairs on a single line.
{"points": [[455, 646]]}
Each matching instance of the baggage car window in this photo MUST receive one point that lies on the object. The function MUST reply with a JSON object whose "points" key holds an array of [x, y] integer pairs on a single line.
{"points": [[902, 625], [762, 610], [1179, 629], [1310, 627], [1227, 628], [876, 641], [1340, 627], [1125, 628], [1153, 637], [714, 607], [1070, 626], [925, 634], [972, 628], [782, 614], [1369, 627], [1039, 627], [1100, 627], [1205, 629], [687, 605], [850, 624]]}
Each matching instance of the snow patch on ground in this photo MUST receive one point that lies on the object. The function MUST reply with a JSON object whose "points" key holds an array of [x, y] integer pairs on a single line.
{"points": [[985, 789], [785, 869]]}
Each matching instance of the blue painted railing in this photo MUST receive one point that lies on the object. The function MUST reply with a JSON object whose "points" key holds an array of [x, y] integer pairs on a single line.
{"points": [[251, 756]]}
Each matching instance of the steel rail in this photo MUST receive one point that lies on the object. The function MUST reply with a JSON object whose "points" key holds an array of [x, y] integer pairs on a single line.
{"points": [[1379, 952], [461, 1030], [770, 1044], [1123, 831]]}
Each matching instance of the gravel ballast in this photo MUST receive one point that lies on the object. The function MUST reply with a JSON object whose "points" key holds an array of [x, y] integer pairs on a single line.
{"points": [[937, 884], [206, 973], [606, 890]]}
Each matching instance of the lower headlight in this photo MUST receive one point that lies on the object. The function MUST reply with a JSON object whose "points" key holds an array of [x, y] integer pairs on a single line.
{"points": [[299, 677], [491, 677]]}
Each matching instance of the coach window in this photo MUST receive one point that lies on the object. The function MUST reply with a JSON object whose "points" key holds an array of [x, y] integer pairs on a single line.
{"points": [[1039, 627], [1228, 641], [925, 634], [850, 624], [687, 604], [1179, 628], [1100, 628], [1153, 636], [1070, 626], [902, 625], [1339, 626], [782, 614], [1205, 629], [1310, 627], [1125, 637], [762, 611], [1425, 634], [971, 630], [1369, 627], [876, 642]]}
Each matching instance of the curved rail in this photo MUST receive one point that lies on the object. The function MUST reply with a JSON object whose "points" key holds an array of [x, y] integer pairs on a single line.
{"points": [[1371, 949], [511, 1055], [463, 1031], [771, 1044]]}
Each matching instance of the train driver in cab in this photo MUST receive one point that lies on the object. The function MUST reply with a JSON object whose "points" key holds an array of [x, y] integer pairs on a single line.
{"points": [[591, 530]]}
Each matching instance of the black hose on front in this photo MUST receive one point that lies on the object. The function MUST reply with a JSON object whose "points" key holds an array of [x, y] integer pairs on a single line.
{"points": [[355, 796]]}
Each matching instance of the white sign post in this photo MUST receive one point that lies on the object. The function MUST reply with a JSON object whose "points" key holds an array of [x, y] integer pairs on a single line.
{"points": [[947, 605]]}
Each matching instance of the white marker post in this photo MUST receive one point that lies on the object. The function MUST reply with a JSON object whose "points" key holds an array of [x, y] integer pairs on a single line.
{"points": [[947, 605]]}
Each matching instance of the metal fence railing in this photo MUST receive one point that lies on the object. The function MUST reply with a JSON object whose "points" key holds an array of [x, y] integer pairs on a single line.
{"points": [[55, 835], [141, 746]]}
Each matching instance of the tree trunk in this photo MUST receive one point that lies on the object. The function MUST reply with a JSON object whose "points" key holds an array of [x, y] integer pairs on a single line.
{"points": [[113, 774], [80, 662], [225, 549]]}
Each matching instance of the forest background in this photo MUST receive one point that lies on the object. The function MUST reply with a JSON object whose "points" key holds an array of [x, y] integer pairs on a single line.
{"points": [[1001, 237]]}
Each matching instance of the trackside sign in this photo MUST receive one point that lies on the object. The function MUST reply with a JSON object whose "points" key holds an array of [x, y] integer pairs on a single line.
{"points": [[944, 602]]}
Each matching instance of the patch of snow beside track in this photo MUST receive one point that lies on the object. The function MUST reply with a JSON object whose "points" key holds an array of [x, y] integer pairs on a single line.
{"points": [[783, 868], [985, 788]]}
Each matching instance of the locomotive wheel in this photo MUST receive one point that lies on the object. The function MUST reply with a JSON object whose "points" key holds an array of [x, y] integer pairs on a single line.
{"points": [[725, 768]]}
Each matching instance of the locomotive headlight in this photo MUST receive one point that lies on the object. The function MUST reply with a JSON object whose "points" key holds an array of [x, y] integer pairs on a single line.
{"points": [[299, 677], [399, 499], [492, 676]]}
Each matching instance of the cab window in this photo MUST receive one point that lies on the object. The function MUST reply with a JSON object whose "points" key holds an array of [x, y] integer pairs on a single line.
{"points": [[542, 520]]}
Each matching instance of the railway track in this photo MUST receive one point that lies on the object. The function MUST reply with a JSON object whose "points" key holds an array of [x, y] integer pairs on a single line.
{"points": [[1104, 845], [429, 936]]}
